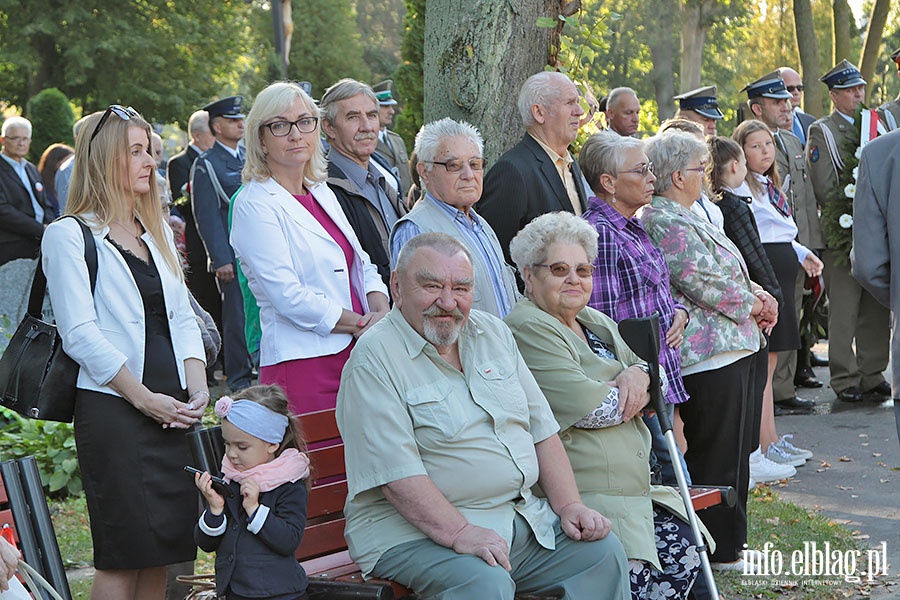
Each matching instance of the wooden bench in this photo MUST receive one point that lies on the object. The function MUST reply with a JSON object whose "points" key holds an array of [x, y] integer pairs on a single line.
{"points": [[323, 550]]}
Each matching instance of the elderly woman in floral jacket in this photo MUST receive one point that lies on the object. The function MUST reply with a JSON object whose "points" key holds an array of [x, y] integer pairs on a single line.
{"points": [[727, 310]]}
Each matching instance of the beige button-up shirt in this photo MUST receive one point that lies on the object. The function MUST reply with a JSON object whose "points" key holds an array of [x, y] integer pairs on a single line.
{"points": [[404, 411]]}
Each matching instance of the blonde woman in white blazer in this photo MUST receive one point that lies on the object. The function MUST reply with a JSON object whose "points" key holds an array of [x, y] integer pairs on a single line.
{"points": [[316, 289], [142, 380]]}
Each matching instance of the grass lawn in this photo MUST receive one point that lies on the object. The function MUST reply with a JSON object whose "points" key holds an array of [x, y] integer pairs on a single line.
{"points": [[785, 525]]}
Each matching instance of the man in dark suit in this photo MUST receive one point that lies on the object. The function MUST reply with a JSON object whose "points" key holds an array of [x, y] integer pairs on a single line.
{"points": [[24, 208], [215, 177], [538, 175], [802, 120]]}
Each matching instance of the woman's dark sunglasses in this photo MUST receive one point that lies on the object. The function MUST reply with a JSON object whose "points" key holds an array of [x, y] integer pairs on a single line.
{"points": [[126, 113]]}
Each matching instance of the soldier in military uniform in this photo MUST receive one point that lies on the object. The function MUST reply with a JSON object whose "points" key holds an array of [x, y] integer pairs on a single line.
{"points": [[700, 106], [853, 313], [889, 113], [770, 102], [390, 145], [215, 177]]}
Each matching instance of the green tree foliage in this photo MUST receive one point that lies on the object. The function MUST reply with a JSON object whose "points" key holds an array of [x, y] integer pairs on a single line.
{"points": [[326, 45], [164, 58], [52, 118], [409, 75], [380, 26]]}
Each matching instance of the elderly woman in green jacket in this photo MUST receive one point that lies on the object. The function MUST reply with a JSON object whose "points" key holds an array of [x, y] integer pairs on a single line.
{"points": [[596, 386]]}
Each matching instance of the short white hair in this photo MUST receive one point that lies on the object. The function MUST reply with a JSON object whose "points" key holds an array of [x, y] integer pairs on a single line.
{"points": [[198, 123], [604, 153], [670, 152], [613, 98], [530, 245], [432, 135], [541, 89], [15, 121]]}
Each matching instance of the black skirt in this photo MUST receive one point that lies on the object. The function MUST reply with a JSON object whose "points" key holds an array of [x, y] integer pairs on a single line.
{"points": [[786, 335]]}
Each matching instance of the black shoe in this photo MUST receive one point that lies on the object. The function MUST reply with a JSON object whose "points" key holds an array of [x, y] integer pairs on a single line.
{"points": [[817, 361], [807, 379], [882, 391], [851, 394], [795, 402]]}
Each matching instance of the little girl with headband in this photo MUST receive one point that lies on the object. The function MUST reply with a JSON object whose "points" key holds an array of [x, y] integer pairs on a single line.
{"points": [[257, 530]]}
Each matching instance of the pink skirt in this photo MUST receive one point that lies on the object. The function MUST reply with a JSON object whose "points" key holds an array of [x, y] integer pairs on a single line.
{"points": [[311, 384]]}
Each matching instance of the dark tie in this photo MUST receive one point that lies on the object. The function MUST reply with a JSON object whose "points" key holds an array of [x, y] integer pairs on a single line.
{"points": [[777, 198]]}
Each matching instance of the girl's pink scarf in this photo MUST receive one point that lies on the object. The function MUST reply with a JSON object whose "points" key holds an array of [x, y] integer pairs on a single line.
{"points": [[291, 466]]}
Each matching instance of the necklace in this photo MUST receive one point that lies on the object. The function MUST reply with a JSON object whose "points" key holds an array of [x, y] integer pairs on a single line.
{"points": [[137, 238]]}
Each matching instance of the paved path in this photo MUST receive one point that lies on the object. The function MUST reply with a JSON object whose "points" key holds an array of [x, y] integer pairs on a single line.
{"points": [[854, 476]]}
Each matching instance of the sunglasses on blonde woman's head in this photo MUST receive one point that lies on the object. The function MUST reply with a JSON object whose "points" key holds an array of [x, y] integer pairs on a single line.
{"points": [[562, 269], [126, 113]]}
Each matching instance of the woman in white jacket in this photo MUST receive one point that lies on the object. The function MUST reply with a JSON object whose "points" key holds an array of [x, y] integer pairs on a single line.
{"points": [[142, 379], [316, 288]]}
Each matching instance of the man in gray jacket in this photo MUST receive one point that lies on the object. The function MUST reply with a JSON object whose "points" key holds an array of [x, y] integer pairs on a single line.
{"points": [[876, 237]]}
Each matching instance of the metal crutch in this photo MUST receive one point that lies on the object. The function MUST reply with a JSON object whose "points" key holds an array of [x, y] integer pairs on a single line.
{"points": [[642, 335]]}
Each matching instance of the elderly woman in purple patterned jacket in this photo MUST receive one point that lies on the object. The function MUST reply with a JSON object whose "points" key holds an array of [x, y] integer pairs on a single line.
{"points": [[631, 278], [727, 310]]}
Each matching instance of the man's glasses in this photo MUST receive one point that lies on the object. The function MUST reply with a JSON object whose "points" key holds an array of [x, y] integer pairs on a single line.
{"points": [[562, 269], [643, 170], [456, 165], [126, 113], [283, 128], [794, 88]]}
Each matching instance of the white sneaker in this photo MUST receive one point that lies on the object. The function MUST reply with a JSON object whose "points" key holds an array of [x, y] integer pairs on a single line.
{"points": [[763, 470], [777, 455], [785, 444], [751, 485]]}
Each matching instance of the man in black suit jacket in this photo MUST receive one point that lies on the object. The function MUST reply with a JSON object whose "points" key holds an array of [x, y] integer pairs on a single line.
{"points": [[24, 208], [538, 175], [178, 171]]}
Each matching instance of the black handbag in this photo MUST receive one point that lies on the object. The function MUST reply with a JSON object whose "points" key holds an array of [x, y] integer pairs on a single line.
{"points": [[37, 378]]}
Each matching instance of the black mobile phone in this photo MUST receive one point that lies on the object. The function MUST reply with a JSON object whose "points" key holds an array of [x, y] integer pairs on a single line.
{"points": [[218, 483]]}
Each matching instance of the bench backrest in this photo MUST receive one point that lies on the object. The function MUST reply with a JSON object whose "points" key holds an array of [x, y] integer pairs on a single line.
{"points": [[325, 515]]}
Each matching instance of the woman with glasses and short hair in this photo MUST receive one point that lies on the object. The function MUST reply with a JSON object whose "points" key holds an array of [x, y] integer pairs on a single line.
{"points": [[142, 380], [597, 389], [316, 288], [727, 311], [631, 279]]}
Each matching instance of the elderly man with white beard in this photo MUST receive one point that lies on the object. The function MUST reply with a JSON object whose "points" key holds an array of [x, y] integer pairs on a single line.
{"points": [[445, 433]]}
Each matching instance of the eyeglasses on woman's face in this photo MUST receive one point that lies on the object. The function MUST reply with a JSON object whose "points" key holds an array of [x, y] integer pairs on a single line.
{"points": [[562, 269], [644, 170], [282, 128]]}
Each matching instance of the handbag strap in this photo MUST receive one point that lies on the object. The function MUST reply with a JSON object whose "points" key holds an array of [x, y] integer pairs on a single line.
{"points": [[39, 283], [35, 582]]}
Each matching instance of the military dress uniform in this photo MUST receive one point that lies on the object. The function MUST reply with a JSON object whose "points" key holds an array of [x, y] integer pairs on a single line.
{"points": [[853, 313], [889, 113], [391, 146], [215, 177]]}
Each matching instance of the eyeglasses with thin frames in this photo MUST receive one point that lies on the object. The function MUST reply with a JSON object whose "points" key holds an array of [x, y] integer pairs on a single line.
{"points": [[562, 269], [643, 170], [126, 113], [283, 128], [700, 169], [455, 165]]}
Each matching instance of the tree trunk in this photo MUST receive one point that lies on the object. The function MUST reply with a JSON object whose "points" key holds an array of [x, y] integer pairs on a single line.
{"points": [[843, 16], [696, 18], [872, 44], [45, 48], [814, 91], [477, 55], [662, 51]]}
